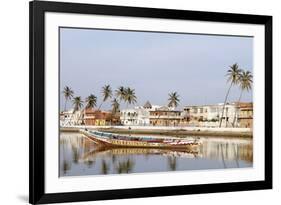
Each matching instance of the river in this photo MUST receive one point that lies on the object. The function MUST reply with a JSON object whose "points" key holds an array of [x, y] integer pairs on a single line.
{"points": [[79, 156]]}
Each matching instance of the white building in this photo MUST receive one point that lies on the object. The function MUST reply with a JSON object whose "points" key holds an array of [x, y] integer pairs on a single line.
{"points": [[138, 116], [70, 118], [210, 115]]}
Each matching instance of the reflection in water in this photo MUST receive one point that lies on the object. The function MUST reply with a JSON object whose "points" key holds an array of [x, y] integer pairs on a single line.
{"points": [[172, 161], [125, 166], [66, 166], [104, 167], [80, 156]]}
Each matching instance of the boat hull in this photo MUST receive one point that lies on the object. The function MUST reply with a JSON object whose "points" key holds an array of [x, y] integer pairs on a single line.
{"points": [[138, 144]]}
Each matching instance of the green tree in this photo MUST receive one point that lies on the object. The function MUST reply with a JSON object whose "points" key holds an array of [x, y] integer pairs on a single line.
{"points": [[91, 101], [233, 77], [120, 93], [78, 103], [173, 99], [106, 93], [130, 96], [115, 106], [68, 94], [245, 83]]}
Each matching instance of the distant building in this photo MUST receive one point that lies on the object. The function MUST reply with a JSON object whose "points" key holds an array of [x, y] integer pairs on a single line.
{"points": [[245, 116], [165, 116], [210, 115], [71, 118], [137, 116], [99, 118]]}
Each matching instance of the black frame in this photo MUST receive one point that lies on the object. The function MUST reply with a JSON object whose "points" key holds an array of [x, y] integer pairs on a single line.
{"points": [[37, 10]]}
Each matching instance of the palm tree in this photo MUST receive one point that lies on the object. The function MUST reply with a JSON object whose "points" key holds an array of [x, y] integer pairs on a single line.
{"points": [[120, 93], [91, 101], [173, 99], [233, 77], [78, 103], [245, 83], [107, 93], [130, 96], [68, 94], [115, 106]]}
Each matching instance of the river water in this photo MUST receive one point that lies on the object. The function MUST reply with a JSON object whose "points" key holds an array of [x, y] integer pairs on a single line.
{"points": [[80, 156]]}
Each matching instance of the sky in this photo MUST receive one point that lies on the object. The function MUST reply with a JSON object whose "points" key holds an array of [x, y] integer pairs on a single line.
{"points": [[154, 64]]}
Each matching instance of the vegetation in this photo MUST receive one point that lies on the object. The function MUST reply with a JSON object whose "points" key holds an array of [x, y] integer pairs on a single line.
{"points": [[120, 93], [245, 83], [243, 79], [91, 101], [115, 106], [130, 96], [173, 99], [107, 94], [78, 103], [233, 77], [68, 94]]}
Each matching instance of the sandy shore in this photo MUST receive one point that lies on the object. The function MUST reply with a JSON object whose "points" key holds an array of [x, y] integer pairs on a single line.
{"points": [[171, 131]]}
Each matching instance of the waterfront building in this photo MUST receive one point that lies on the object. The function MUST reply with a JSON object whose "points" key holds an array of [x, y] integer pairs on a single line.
{"points": [[245, 116], [137, 116], [71, 118], [165, 116], [99, 118], [210, 115]]}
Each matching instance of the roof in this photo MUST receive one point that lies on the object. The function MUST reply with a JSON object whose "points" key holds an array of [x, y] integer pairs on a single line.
{"points": [[241, 104], [147, 105]]}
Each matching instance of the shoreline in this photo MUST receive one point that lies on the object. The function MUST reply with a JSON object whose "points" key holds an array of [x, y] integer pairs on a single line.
{"points": [[175, 131]]}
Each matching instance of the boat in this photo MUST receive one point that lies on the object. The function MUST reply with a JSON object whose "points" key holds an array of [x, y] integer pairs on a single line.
{"points": [[117, 140]]}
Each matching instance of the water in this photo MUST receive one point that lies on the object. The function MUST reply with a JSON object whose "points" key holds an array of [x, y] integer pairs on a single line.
{"points": [[80, 156]]}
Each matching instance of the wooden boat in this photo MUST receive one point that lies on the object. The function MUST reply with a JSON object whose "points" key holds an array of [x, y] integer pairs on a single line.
{"points": [[116, 140]]}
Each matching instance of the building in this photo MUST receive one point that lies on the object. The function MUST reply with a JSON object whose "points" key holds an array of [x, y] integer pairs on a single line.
{"points": [[165, 116], [71, 118], [210, 115], [245, 116], [137, 116], [100, 118]]}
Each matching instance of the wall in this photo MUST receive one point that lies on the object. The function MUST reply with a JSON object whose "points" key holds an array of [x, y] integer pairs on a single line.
{"points": [[14, 97]]}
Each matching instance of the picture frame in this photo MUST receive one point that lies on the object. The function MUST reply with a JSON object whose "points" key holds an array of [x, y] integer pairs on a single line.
{"points": [[38, 112]]}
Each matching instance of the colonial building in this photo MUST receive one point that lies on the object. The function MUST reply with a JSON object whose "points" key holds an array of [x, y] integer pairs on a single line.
{"points": [[245, 116], [165, 116], [99, 118], [71, 118], [210, 115], [137, 116]]}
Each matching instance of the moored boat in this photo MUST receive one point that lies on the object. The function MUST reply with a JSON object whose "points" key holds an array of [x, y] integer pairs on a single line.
{"points": [[117, 140]]}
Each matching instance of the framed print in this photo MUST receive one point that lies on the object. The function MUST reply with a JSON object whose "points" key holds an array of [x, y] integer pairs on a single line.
{"points": [[139, 102]]}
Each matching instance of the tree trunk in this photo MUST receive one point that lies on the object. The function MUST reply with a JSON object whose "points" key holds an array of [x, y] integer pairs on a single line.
{"points": [[236, 108], [100, 105], [65, 104], [225, 103]]}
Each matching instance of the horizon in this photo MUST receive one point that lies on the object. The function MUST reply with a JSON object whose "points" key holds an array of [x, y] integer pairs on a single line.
{"points": [[146, 61]]}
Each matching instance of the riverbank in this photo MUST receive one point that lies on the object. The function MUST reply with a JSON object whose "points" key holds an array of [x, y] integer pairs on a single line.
{"points": [[171, 131]]}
